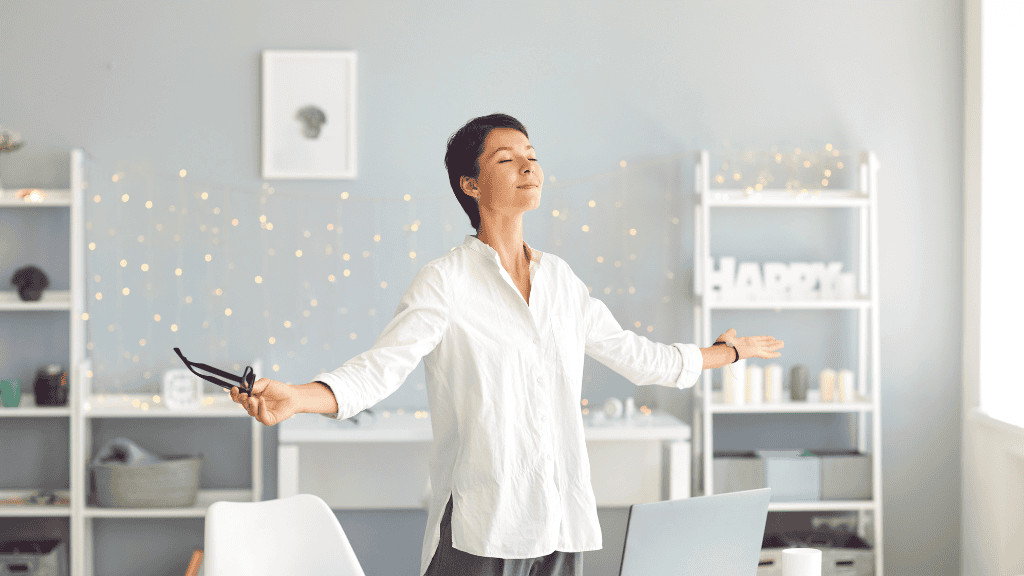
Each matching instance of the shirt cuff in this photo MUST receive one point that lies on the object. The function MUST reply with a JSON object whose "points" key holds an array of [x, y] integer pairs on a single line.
{"points": [[693, 365]]}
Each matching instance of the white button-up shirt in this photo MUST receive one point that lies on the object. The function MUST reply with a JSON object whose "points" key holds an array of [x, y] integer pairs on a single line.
{"points": [[504, 381]]}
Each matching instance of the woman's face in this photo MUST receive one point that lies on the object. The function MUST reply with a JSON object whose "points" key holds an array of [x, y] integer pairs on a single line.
{"points": [[510, 178]]}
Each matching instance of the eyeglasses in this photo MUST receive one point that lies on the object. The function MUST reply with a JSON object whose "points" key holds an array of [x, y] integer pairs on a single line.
{"points": [[244, 382]]}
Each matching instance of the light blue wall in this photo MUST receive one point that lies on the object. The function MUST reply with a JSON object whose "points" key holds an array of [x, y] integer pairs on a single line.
{"points": [[150, 88]]}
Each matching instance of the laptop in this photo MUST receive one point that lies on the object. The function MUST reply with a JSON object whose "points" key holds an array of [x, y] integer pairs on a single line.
{"points": [[717, 535]]}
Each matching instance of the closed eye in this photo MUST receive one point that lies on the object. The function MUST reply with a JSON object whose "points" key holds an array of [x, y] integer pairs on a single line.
{"points": [[502, 161]]}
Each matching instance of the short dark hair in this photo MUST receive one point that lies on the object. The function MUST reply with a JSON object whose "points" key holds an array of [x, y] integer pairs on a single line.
{"points": [[463, 156]]}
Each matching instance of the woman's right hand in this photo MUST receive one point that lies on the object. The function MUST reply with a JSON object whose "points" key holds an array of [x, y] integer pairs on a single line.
{"points": [[271, 402]]}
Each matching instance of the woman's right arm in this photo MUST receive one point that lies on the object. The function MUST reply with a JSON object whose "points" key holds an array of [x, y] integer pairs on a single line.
{"points": [[416, 329]]}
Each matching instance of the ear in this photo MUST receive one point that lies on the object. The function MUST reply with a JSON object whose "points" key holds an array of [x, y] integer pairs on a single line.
{"points": [[468, 186]]}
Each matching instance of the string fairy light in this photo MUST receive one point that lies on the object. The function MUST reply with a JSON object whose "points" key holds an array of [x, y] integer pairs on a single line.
{"points": [[204, 225]]}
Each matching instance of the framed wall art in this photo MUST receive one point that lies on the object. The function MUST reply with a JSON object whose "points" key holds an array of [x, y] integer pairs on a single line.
{"points": [[309, 114]]}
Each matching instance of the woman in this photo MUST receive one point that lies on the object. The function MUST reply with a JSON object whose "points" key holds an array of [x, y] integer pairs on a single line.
{"points": [[502, 330]]}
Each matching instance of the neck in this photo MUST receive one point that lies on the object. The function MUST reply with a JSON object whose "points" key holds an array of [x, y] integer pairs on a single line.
{"points": [[507, 241]]}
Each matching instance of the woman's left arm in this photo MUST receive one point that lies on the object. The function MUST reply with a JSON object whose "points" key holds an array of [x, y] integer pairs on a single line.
{"points": [[638, 359]]}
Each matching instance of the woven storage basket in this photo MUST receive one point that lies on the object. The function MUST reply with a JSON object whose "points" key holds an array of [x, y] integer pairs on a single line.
{"points": [[173, 483]]}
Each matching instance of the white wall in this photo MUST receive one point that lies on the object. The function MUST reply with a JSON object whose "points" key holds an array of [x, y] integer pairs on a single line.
{"points": [[173, 84]]}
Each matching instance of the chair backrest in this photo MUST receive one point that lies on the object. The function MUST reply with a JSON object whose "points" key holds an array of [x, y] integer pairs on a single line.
{"points": [[298, 535]]}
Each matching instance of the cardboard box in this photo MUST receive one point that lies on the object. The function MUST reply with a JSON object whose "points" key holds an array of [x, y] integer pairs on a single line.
{"points": [[791, 476], [845, 474], [737, 471]]}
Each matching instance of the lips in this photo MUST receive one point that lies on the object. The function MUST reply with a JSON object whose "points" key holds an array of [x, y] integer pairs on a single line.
{"points": [[529, 186]]}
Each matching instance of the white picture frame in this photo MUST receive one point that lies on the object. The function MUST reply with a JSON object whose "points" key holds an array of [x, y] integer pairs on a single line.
{"points": [[182, 390], [309, 114]]}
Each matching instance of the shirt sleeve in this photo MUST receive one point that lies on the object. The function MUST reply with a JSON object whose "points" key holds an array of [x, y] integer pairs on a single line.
{"points": [[636, 358], [420, 321]]}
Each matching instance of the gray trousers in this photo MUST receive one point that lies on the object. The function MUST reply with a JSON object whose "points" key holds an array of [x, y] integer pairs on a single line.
{"points": [[448, 561]]}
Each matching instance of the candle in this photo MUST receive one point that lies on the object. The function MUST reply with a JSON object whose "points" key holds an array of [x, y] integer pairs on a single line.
{"points": [[733, 377], [846, 385], [801, 562], [773, 383], [798, 383], [755, 384], [827, 384]]}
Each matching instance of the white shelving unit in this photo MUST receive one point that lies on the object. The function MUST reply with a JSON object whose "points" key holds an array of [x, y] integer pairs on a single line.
{"points": [[867, 400], [85, 407]]}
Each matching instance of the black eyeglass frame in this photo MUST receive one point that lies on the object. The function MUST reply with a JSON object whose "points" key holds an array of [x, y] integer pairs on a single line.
{"points": [[244, 382]]}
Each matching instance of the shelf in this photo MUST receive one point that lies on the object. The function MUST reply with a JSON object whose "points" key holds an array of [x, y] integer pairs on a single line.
{"points": [[35, 510], [148, 406], [51, 300], [203, 500], [54, 197], [855, 304], [787, 198], [33, 411], [822, 506], [861, 192], [408, 427], [859, 404]]}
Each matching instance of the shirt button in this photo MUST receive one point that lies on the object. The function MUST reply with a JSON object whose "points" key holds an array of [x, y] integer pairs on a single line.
{"points": [[543, 418], [540, 380], [536, 341]]}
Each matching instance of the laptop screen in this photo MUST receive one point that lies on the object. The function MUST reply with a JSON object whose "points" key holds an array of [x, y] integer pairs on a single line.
{"points": [[717, 535]]}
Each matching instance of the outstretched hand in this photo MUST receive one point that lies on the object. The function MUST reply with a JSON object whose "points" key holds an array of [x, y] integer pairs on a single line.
{"points": [[271, 402], [752, 346]]}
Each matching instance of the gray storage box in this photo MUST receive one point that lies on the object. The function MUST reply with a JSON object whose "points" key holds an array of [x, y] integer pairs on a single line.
{"points": [[171, 483], [34, 557], [792, 477], [737, 471], [845, 474]]}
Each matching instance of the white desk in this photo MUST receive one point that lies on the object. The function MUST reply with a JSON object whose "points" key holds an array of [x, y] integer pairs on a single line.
{"points": [[383, 464]]}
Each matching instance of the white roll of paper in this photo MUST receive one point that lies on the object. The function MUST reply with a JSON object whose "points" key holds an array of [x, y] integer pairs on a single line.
{"points": [[801, 562], [773, 383], [755, 384], [846, 386], [733, 378]]}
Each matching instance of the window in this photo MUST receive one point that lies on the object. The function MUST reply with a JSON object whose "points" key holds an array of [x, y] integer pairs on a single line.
{"points": [[1001, 371]]}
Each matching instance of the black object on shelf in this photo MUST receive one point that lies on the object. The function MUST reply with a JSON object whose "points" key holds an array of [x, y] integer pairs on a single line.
{"points": [[31, 281], [51, 386]]}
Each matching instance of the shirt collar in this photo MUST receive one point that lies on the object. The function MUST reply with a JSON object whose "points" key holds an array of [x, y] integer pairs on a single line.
{"points": [[483, 248]]}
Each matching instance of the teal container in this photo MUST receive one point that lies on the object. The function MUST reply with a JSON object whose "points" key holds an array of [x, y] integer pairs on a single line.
{"points": [[10, 392]]}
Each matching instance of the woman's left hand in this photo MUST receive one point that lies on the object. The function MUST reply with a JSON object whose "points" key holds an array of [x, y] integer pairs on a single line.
{"points": [[752, 346]]}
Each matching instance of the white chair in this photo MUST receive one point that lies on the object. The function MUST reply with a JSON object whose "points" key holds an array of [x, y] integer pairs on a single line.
{"points": [[298, 536]]}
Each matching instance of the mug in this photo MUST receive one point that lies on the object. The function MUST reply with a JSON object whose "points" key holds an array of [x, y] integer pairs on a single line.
{"points": [[10, 392]]}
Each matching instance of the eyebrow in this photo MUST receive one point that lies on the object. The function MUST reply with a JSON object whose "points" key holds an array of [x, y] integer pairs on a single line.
{"points": [[508, 148]]}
